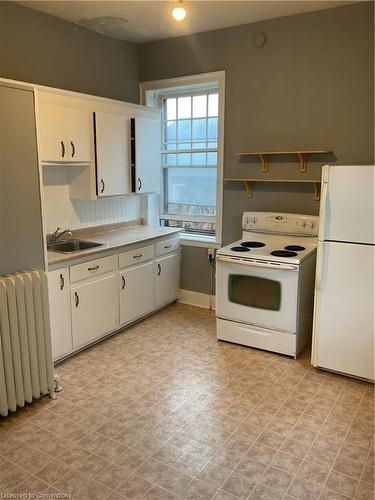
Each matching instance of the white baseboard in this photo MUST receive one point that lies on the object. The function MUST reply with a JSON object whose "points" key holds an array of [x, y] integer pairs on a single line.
{"points": [[197, 299]]}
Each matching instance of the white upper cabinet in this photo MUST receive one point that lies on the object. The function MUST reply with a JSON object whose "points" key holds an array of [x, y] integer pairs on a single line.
{"points": [[79, 134], [66, 133], [52, 133], [112, 141], [114, 147], [146, 155]]}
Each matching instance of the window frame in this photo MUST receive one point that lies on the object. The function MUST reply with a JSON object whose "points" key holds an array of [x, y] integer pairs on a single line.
{"points": [[152, 93]]}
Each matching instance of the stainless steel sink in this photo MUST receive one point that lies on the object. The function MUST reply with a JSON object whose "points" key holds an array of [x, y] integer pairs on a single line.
{"points": [[71, 246]]}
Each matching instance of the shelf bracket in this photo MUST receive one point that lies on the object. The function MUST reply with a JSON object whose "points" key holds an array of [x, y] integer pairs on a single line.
{"points": [[302, 162], [249, 188], [316, 191], [264, 159]]}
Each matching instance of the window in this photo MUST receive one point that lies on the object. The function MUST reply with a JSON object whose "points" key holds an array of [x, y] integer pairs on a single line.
{"points": [[189, 151], [192, 149]]}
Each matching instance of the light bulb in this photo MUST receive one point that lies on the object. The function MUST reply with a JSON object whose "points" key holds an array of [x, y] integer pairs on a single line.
{"points": [[179, 13]]}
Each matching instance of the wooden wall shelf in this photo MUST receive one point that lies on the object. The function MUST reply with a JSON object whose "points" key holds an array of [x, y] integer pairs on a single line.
{"points": [[301, 154], [248, 183]]}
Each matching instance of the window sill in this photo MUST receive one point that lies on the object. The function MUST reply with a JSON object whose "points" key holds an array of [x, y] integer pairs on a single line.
{"points": [[197, 240]]}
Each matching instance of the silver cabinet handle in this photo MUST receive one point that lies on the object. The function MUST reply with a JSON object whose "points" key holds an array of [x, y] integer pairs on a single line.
{"points": [[93, 268], [123, 282], [73, 148], [62, 149], [103, 185], [139, 183], [138, 256], [77, 298], [167, 246], [62, 282], [159, 269]]}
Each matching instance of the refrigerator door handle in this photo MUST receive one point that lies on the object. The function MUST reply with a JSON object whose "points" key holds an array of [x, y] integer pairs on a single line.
{"points": [[324, 212], [319, 268]]}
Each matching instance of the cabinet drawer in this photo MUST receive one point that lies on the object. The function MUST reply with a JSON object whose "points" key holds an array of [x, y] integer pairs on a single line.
{"points": [[167, 246], [92, 268], [135, 256]]}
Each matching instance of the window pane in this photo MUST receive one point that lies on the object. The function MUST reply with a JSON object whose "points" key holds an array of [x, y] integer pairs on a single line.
{"points": [[184, 130], [199, 129], [198, 159], [171, 108], [213, 105], [184, 107], [212, 145], [207, 228], [184, 145], [194, 188], [199, 145], [169, 160], [170, 131], [212, 128], [199, 106], [184, 159], [170, 146], [212, 159]]}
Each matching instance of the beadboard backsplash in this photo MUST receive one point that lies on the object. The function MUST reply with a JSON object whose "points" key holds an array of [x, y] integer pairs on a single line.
{"points": [[61, 211]]}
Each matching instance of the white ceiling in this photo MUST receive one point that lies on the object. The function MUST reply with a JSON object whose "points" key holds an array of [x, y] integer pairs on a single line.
{"points": [[142, 21]]}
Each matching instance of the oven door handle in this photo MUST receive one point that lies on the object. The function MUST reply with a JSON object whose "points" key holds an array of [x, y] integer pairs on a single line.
{"points": [[254, 263]]}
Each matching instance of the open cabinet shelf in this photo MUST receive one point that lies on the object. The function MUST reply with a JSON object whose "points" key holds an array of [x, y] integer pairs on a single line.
{"points": [[248, 183], [302, 156]]}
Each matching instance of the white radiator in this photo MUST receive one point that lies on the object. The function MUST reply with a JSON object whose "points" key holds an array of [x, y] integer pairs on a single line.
{"points": [[26, 366]]}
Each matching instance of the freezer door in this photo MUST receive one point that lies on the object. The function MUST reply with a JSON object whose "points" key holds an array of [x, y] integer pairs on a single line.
{"points": [[343, 335], [347, 206]]}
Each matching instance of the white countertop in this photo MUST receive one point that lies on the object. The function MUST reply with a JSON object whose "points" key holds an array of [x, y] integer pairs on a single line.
{"points": [[112, 239]]}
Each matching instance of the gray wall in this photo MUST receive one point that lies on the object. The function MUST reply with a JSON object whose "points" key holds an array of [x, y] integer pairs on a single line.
{"points": [[38, 48], [310, 86]]}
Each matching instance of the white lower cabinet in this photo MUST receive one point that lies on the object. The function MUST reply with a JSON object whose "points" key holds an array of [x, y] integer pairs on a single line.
{"points": [[137, 292], [94, 310], [91, 299], [59, 305], [167, 278]]}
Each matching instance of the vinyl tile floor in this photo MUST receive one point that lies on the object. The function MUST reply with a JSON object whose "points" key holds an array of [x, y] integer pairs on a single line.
{"points": [[163, 411]]}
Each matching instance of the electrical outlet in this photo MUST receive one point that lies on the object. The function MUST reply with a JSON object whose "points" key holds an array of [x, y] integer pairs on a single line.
{"points": [[211, 254]]}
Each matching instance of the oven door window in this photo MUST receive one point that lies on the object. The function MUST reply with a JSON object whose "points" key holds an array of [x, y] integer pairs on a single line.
{"points": [[252, 291]]}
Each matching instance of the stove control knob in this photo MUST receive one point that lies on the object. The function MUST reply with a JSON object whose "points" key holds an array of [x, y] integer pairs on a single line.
{"points": [[310, 224], [254, 219], [303, 223]]}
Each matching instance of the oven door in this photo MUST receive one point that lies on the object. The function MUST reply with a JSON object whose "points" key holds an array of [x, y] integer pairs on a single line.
{"points": [[257, 292]]}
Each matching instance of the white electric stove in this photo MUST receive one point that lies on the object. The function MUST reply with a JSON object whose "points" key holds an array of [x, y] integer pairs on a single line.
{"points": [[265, 282]]}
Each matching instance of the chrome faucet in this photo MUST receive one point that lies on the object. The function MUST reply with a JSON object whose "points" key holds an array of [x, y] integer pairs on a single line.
{"points": [[56, 235]]}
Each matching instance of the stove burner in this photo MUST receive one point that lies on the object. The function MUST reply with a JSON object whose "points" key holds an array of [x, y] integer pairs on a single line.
{"points": [[295, 248], [240, 249], [283, 253], [253, 244]]}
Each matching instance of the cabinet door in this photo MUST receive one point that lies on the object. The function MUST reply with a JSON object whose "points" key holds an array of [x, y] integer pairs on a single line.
{"points": [[59, 306], [94, 310], [147, 155], [112, 153], [167, 270], [137, 292], [80, 135], [53, 133]]}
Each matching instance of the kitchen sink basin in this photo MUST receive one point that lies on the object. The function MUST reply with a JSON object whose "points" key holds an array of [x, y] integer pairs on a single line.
{"points": [[71, 246]]}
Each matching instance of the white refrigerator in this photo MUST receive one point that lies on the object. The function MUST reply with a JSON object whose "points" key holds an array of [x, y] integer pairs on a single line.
{"points": [[343, 332]]}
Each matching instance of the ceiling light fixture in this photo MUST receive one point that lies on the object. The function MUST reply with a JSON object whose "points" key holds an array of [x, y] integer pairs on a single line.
{"points": [[179, 12]]}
